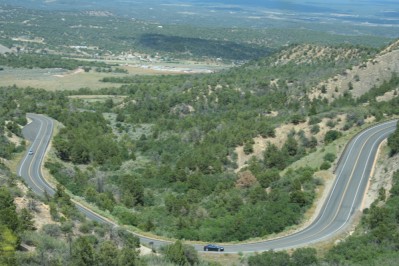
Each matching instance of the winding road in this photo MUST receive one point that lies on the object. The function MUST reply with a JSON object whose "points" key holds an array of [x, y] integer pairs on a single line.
{"points": [[346, 195]]}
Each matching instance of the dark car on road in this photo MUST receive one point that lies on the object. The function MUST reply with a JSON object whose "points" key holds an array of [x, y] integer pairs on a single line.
{"points": [[212, 247]]}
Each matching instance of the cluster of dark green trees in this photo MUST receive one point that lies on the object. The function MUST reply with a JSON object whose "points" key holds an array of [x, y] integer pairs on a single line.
{"points": [[393, 142], [87, 138], [87, 251], [202, 47]]}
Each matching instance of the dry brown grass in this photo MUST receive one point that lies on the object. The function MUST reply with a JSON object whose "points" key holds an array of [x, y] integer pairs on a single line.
{"points": [[223, 259]]}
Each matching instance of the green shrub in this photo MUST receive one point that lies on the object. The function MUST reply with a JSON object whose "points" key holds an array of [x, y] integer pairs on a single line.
{"points": [[325, 166], [329, 157], [332, 135]]}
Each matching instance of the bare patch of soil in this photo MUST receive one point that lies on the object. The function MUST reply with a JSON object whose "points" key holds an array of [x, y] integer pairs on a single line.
{"points": [[14, 139], [76, 71], [388, 96], [145, 250], [225, 259]]}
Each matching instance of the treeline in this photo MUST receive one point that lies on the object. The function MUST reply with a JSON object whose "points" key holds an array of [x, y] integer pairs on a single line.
{"points": [[45, 61], [201, 207]]}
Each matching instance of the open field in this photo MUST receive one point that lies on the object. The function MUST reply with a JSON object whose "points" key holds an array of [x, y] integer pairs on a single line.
{"points": [[60, 79]]}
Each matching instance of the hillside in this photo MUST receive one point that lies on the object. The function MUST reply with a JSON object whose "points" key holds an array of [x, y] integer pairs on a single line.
{"points": [[362, 77], [371, 76]]}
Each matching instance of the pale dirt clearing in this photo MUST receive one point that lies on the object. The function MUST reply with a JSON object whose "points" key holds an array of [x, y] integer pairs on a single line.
{"points": [[4, 49], [14, 139], [41, 215], [388, 96], [145, 250], [74, 72]]}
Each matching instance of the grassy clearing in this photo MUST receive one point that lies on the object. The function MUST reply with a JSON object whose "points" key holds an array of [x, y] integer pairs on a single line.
{"points": [[55, 79]]}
